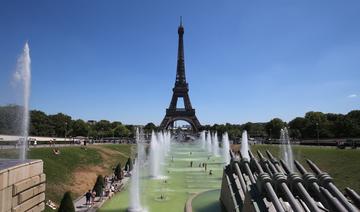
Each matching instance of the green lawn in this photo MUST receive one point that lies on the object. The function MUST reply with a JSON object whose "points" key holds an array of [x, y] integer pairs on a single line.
{"points": [[342, 165], [59, 169]]}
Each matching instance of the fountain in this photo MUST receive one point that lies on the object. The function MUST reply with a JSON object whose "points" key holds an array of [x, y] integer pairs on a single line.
{"points": [[208, 142], [22, 77], [159, 148], [182, 180], [226, 148], [286, 149], [203, 139], [154, 156], [167, 140], [135, 203], [215, 144], [245, 146]]}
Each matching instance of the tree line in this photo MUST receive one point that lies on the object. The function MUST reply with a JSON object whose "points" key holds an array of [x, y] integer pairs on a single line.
{"points": [[59, 125], [311, 126]]}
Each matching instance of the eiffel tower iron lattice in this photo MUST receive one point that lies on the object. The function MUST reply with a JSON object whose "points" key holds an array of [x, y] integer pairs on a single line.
{"points": [[180, 90]]}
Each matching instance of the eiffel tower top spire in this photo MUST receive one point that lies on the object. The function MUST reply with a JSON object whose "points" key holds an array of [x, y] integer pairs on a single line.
{"points": [[180, 68]]}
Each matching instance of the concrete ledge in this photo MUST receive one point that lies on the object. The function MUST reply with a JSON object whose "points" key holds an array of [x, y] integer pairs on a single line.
{"points": [[3, 178], [38, 208], [22, 186], [5, 204], [30, 203], [31, 192]]}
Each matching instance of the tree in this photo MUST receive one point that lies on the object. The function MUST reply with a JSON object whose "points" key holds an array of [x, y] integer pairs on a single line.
{"points": [[121, 131], [117, 172], [149, 127], [128, 165], [66, 204], [40, 124], [317, 123], [61, 124], [10, 119], [353, 118], [297, 127], [99, 185], [115, 124], [79, 128], [274, 126]]}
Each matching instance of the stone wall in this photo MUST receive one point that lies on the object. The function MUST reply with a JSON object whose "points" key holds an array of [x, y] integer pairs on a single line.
{"points": [[22, 186]]}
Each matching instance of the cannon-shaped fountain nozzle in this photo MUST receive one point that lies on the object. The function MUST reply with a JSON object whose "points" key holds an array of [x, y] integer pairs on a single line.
{"points": [[314, 167], [301, 169], [285, 167]]}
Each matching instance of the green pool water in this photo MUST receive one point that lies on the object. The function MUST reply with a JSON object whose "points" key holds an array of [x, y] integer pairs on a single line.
{"points": [[182, 182], [207, 202]]}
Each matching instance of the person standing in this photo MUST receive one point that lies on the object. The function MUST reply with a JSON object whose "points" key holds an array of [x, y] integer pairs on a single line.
{"points": [[88, 197]]}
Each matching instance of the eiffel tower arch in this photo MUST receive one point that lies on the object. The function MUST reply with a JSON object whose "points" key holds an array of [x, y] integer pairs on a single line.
{"points": [[180, 90]]}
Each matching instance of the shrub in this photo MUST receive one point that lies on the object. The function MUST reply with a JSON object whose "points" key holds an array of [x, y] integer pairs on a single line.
{"points": [[128, 165], [66, 204], [99, 185], [117, 172]]}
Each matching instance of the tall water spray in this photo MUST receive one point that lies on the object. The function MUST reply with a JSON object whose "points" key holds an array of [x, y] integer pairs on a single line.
{"points": [[167, 141], [245, 146], [154, 156], [208, 142], [286, 149], [22, 77], [215, 144], [159, 148], [226, 148], [135, 203], [203, 139]]}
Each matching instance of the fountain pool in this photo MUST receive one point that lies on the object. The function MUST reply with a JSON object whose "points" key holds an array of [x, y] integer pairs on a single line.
{"points": [[182, 181]]}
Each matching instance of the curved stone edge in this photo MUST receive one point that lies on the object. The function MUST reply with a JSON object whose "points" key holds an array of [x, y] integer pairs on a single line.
{"points": [[188, 204]]}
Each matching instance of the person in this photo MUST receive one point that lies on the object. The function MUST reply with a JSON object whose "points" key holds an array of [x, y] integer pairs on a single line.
{"points": [[191, 163], [93, 195], [210, 172], [88, 197], [56, 151]]}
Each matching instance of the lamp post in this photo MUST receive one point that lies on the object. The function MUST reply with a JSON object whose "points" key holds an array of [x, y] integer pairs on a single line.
{"points": [[65, 130], [317, 133]]}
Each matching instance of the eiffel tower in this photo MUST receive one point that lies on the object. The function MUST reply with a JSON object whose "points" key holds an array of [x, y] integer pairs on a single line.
{"points": [[180, 90]]}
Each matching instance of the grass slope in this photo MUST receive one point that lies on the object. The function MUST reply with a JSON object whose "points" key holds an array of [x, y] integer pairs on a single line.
{"points": [[61, 170]]}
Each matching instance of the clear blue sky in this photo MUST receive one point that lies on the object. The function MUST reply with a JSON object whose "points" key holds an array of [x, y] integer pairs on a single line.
{"points": [[245, 60]]}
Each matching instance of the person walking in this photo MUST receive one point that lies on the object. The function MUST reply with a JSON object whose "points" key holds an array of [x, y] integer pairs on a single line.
{"points": [[88, 197]]}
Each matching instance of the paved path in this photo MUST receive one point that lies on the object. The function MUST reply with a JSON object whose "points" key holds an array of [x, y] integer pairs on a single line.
{"points": [[80, 205]]}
